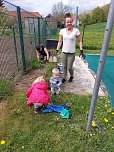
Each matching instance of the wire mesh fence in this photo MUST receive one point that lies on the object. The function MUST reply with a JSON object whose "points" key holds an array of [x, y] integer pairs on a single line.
{"points": [[20, 31]]}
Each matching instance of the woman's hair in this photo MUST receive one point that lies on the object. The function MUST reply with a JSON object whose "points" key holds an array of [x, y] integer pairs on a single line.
{"points": [[67, 15], [38, 47], [39, 79]]}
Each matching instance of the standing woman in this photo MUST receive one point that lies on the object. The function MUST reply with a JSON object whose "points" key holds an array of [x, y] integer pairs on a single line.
{"points": [[68, 36]]}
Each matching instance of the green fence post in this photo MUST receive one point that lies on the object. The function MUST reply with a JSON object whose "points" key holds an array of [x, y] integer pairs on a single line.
{"points": [[43, 31], [38, 30], [34, 33], [15, 47], [21, 38], [83, 32], [29, 25]]}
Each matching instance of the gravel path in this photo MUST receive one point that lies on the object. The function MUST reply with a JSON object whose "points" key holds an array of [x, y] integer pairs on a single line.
{"points": [[82, 84]]}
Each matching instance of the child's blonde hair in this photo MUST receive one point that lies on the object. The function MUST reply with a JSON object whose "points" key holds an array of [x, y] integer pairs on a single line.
{"points": [[39, 79], [55, 71]]}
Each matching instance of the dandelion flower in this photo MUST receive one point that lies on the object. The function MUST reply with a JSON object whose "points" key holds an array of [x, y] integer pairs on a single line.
{"points": [[112, 113], [106, 105], [106, 120], [3, 142], [93, 124]]}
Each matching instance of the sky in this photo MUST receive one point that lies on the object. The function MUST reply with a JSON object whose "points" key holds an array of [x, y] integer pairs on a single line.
{"points": [[44, 7]]}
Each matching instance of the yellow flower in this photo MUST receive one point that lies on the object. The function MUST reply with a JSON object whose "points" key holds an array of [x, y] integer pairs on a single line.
{"points": [[93, 124], [106, 120], [3, 142], [106, 105], [112, 113]]}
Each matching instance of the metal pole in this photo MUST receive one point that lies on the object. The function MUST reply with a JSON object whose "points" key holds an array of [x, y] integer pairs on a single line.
{"points": [[83, 32], [28, 26], [45, 31], [38, 30], [34, 32], [107, 35], [21, 38], [76, 16], [15, 47]]}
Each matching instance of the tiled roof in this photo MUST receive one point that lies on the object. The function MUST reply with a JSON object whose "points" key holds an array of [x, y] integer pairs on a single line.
{"points": [[25, 14]]}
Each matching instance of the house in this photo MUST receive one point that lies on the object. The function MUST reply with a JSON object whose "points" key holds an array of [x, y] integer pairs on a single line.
{"points": [[25, 14], [49, 18], [29, 19]]}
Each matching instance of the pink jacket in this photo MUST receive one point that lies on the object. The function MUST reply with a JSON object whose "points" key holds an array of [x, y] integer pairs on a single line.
{"points": [[38, 93]]}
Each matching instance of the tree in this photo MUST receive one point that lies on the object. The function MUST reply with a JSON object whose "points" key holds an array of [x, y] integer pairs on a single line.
{"points": [[59, 10], [85, 18], [6, 19], [98, 15], [106, 10]]}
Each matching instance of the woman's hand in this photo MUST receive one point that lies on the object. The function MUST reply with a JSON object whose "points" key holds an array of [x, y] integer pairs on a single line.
{"points": [[55, 52], [82, 55]]}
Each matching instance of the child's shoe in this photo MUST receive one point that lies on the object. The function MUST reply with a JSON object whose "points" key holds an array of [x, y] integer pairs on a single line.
{"points": [[35, 110], [63, 80], [39, 109]]}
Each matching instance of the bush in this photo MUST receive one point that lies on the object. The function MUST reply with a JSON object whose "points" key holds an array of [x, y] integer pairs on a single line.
{"points": [[36, 65], [6, 32]]}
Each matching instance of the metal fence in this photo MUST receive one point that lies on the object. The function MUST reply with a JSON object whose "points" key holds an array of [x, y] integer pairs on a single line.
{"points": [[20, 31]]}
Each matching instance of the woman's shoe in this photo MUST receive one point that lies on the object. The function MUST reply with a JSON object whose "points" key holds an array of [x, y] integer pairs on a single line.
{"points": [[63, 80], [70, 80]]}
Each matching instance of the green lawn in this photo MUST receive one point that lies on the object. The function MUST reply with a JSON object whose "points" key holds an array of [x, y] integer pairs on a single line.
{"points": [[24, 131], [93, 37], [21, 130], [87, 51]]}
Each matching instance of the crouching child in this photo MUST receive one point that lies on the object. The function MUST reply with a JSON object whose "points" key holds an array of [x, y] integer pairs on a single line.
{"points": [[37, 95]]}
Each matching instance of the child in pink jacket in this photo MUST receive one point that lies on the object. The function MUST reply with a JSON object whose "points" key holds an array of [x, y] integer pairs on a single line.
{"points": [[37, 94]]}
